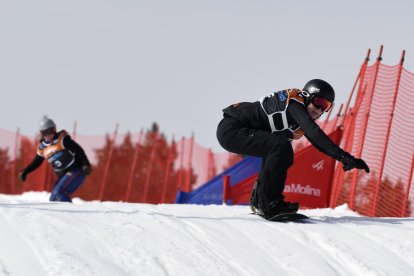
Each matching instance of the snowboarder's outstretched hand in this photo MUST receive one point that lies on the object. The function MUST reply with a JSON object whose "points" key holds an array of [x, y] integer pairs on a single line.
{"points": [[351, 162], [86, 169], [22, 176]]}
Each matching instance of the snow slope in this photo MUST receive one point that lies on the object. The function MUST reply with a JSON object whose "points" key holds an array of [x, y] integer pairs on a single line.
{"points": [[93, 238]]}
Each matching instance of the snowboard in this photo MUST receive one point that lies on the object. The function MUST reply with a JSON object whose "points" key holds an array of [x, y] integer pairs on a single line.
{"points": [[289, 217], [286, 217]]}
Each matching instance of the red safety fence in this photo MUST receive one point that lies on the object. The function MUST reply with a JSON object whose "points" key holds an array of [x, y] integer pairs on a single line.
{"points": [[378, 128], [138, 167]]}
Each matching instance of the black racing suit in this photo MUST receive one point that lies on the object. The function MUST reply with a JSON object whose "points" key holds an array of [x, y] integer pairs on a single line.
{"points": [[245, 130]]}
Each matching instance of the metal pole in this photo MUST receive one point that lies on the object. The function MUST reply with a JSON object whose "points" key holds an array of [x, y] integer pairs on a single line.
{"points": [[360, 78], [226, 188], [189, 165], [13, 171], [377, 65], [407, 193], [133, 166], [180, 172], [397, 86], [210, 161], [151, 163], [167, 171], [354, 176], [347, 130], [75, 127], [107, 163], [332, 172]]}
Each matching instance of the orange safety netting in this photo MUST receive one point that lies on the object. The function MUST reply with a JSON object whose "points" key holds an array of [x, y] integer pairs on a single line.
{"points": [[139, 167], [378, 129]]}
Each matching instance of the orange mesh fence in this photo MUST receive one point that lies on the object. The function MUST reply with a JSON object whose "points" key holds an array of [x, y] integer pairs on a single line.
{"points": [[138, 167], [201, 162], [378, 129]]}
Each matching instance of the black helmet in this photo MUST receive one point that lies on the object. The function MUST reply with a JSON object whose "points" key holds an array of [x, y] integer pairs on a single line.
{"points": [[320, 88]]}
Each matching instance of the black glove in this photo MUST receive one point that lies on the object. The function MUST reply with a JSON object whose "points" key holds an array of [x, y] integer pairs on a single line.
{"points": [[86, 169], [351, 162], [22, 176]]}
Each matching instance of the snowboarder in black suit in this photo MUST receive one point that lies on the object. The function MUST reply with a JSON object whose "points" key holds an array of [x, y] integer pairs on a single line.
{"points": [[265, 128]]}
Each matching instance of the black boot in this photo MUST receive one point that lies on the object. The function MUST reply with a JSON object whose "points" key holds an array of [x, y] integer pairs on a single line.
{"points": [[254, 198], [277, 207]]}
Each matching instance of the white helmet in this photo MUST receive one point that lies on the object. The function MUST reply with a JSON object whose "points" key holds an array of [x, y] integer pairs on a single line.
{"points": [[46, 123]]}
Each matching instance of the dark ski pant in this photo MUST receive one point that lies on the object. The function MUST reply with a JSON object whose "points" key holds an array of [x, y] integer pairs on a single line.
{"points": [[67, 185], [275, 149]]}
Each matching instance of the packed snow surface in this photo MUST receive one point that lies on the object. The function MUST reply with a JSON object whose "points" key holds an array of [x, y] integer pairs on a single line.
{"points": [[113, 238]]}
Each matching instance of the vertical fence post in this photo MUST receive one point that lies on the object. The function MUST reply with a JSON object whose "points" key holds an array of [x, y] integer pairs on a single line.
{"points": [[332, 180], [189, 165], [75, 128], [358, 155], [226, 188], [151, 164], [348, 145], [339, 175], [133, 166], [107, 163], [407, 193], [213, 169], [332, 171], [387, 138], [377, 65], [210, 165], [360, 79], [180, 172], [13, 170], [167, 171]]}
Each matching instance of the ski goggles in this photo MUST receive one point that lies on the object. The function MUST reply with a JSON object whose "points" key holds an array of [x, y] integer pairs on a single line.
{"points": [[320, 102], [48, 131]]}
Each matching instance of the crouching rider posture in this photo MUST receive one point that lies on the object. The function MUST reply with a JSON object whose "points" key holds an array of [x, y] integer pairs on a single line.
{"points": [[66, 157], [266, 128]]}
